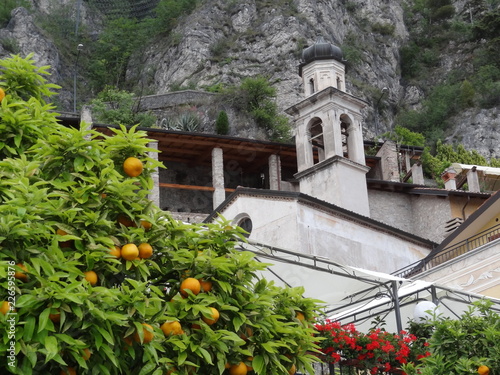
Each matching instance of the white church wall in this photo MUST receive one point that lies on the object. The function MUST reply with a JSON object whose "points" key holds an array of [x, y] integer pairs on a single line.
{"points": [[354, 244], [290, 224], [273, 220]]}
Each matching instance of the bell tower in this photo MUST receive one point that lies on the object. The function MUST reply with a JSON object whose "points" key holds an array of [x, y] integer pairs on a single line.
{"points": [[328, 132]]}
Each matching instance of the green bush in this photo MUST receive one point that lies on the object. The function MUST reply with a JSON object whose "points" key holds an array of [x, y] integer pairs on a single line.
{"points": [[383, 28], [256, 97], [113, 106], [405, 136], [168, 13], [460, 346], [222, 123], [467, 94]]}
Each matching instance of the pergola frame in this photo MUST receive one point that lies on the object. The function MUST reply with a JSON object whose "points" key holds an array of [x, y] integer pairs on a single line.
{"points": [[363, 294]]}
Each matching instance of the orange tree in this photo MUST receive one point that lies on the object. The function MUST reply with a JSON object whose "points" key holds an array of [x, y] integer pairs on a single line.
{"points": [[92, 274]]}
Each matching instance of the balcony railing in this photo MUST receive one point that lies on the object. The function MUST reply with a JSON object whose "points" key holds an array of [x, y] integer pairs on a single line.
{"points": [[450, 252]]}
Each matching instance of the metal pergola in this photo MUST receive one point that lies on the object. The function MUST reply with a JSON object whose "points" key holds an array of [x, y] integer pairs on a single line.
{"points": [[355, 295]]}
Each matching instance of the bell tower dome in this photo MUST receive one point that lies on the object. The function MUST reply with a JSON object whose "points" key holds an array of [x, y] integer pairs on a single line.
{"points": [[328, 132], [322, 66]]}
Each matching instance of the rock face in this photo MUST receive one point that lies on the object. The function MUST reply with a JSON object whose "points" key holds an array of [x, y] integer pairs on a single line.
{"points": [[223, 42]]}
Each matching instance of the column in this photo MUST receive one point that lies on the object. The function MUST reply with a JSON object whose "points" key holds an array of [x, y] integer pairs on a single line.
{"points": [[154, 195], [86, 118], [417, 174], [355, 144], [274, 172], [218, 177], [473, 180]]}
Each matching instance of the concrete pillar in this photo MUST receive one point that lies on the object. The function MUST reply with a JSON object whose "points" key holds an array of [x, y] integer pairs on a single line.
{"points": [[417, 174], [304, 147], [473, 180], [388, 154], [154, 194], [448, 177], [86, 118], [274, 172], [218, 177], [355, 144], [328, 134], [407, 162]]}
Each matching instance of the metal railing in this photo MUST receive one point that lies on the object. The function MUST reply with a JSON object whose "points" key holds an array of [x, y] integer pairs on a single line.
{"points": [[450, 252]]}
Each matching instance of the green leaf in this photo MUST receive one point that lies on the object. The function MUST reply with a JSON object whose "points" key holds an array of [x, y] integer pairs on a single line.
{"points": [[51, 346], [29, 328], [147, 368], [107, 336], [259, 364], [181, 358], [43, 320], [205, 355]]}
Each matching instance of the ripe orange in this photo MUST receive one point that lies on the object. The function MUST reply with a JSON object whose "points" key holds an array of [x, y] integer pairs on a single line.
{"points": [[128, 342], [64, 244], [146, 224], [148, 334], [192, 284], [172, 328], [91, 277], [300, 316], [130, 251], [125, 221], [248, 333], [86, 354], [214, 318], [55, 317], [483, 370], [69, 371], [227, 365], [20, 274], [2, 94], [5, 308], [239, 369], [172, 370], [206, 286], [116, 252], [132, 167], [292, 370], [145, 251], [249, 368]]}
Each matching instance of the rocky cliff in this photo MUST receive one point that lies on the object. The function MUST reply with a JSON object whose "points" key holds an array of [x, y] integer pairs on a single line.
{"points": [[225, 41]]}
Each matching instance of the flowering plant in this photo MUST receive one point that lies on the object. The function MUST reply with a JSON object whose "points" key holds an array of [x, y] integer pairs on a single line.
{"points": [[376, 351]]}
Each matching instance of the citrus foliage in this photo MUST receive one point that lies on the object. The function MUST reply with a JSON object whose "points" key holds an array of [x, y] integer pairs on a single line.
{"points": [[463, 345], [66, 208]]}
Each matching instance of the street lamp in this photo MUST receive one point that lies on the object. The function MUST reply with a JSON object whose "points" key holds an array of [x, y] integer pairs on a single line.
{"points": [[78, 49], [385, 90], [425, 311]]}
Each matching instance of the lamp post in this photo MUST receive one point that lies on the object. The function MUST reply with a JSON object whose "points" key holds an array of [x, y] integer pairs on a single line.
{"points": [[78, 49], [385, 90]]}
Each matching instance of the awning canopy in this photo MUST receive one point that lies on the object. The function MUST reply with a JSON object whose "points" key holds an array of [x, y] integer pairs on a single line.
{"points": [[355, 295]]}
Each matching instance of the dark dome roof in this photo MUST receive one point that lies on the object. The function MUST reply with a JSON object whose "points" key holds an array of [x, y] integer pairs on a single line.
{"points": [[321, 50]]}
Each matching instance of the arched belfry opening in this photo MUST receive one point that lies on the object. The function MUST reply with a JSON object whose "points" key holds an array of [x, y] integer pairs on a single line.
{"points": [[345, 123], [316, 139]]}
